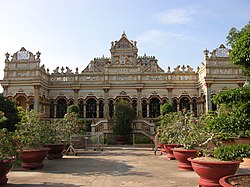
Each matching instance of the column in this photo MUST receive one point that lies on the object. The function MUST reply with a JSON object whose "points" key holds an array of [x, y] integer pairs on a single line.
{"points": [[97, 110], [139, 109], [76, 95], [170, 95], [84, 110], [147, 109], [5, 91], [106, 103], [208, 97], [55, 110], [36, 98]]}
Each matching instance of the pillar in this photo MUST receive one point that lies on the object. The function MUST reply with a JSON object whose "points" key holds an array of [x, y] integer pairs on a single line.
{"points": [[148, 109], [36, 98], [208, 98], [76, 95], [106, 103], [139, 109], [170, 95]]}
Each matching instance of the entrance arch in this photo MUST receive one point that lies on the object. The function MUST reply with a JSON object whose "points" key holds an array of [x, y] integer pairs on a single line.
{"points": [[61, 108], [154, 107]]}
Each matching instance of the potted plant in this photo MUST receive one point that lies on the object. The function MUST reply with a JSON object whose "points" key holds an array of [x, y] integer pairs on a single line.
{"points": [[227, 123], [31, 136], [8, 151], [55, 138], [121, 122], [184, 131]]}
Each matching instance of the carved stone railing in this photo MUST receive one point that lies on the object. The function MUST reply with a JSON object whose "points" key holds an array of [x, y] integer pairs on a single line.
{"points": [[138, 126]]}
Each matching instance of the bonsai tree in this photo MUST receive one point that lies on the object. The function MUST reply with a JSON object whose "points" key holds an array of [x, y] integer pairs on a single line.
{"points": [[123, 117], [10, 112], [31, 132]]}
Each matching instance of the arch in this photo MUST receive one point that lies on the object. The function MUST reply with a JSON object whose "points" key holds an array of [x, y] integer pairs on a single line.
{"points": [[154, 107], [195, 106], [175, 104], [164, 100], [144, 108], [61, 107], [184, 103], [111, 108], [125, 98], [101, 108], [21, 100], [52, 112], [91, 108], [134, 105], [81, 108]]}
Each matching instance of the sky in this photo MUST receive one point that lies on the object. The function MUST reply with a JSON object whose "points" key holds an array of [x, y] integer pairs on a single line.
{"points": [[73, 32]]}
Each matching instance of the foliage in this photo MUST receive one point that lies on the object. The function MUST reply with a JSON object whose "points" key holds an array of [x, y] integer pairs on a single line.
{"points": [[30, 131], [10, 112], [240, 42], [234, 112], [166, 108], [124, 115], [71, 125], [73, 108], [7, 143], [232, 152], [141, 139], [182, 128]]}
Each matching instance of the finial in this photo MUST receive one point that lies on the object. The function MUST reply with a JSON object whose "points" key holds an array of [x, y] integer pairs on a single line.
{"points": [[38, 54], [7, 55], [206, 51], [123, 34]]}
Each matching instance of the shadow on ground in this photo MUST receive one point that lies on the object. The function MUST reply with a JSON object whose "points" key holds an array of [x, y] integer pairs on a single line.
{"points": [[46, 184]]}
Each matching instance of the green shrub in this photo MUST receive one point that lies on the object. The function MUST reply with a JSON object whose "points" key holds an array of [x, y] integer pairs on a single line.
{"points": [[232, 152]]}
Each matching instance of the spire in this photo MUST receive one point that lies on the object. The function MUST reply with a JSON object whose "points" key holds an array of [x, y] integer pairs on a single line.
{"points": [[124, 35]]}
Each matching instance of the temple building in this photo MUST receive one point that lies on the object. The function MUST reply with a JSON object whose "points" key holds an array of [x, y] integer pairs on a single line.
{"points": [[123, 75]]}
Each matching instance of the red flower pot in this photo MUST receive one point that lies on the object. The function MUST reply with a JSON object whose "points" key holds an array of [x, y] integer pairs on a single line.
{"points": [[239, 180], [5, 167], [32, 159], [210, 172], [182, 156], [169, 150]]}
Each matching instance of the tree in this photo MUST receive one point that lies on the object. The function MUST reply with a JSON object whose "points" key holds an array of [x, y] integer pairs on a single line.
{"points": [[10, 112], [124, 115], [240, 43], [166, 108]]}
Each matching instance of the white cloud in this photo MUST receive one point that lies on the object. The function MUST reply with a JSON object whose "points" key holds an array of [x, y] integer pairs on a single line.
{"points": [[175, 16], [158, 38]]}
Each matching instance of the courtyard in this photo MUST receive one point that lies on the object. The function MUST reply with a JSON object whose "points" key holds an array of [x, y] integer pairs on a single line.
{"points": [[112, 167]]}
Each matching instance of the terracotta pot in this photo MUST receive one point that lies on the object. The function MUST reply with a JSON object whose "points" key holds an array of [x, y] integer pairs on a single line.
{"points": [[55, 151], [5, 167], [238, 180], [168, 148], [32, 159], [210, 172], [182, 156]]}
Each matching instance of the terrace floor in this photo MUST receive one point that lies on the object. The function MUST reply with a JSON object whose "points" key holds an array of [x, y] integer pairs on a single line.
{"points": [[113, 167]]}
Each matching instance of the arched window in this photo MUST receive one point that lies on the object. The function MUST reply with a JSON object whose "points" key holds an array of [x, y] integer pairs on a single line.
{"points": [[81, 110], [61, 108], [184, 103], [154, 108], [144, 108], [195, 107], [134, 105], [101, 106], [51, 109], [71, 102], [21, 101], [174, 105], [111, 108], [91, 108]]}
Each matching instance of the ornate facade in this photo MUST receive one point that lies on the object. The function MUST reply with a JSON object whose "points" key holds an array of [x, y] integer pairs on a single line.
{"points": [[137, 79]]}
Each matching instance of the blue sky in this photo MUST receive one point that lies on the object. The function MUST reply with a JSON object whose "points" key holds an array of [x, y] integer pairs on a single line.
{"points": [[73, 32]]}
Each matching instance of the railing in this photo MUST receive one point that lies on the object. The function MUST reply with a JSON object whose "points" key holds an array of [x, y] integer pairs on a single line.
{"points": [[138, 126]]}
